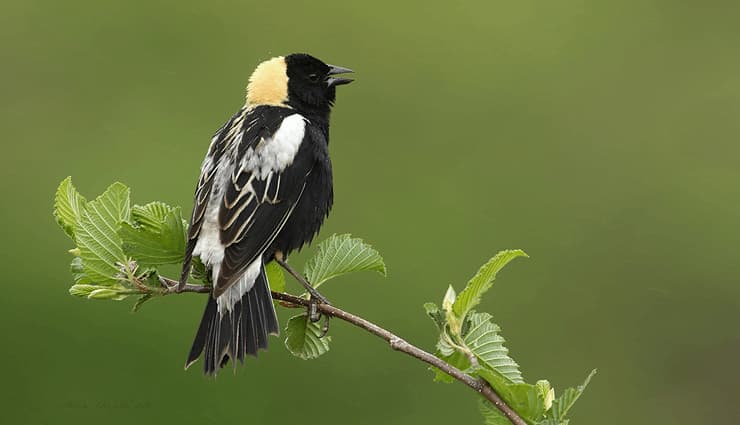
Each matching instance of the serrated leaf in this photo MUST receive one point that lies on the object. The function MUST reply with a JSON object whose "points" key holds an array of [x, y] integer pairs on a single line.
{"points": [[105, 294], [97, 234], [455, 359], [339, 255], [83, 290], [484, 340], [563, 404], [139, 302], [68, 205], [526, 399], [156, 237], [440, 376], [482, 281], [151, 215], [275, 276], [491, 415], [99, 292], [443, 346], [302, 338], [437, 316], [199, 272], [78, 271], [546, 391]]}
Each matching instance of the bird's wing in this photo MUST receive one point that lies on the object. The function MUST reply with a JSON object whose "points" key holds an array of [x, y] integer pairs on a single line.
{"points": [[219, 143], [267, 181]]}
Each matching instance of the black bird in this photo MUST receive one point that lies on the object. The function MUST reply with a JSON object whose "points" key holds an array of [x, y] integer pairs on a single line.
{"points": [[265, 189]]}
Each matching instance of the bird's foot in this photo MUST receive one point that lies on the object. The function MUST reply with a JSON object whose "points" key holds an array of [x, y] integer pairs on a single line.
{"points": [[168, 284], [315, 298], [314, 314], [316, 295]]}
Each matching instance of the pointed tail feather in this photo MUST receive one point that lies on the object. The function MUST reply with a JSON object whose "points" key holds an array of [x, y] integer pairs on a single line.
{"points": [[232, 334]]}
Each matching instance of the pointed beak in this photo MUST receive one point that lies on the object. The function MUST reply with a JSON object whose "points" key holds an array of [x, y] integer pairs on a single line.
{"points": [[338, 81]]}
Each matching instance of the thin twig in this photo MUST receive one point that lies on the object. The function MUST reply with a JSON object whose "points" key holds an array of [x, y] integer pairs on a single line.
{"points": [[397, 343]]}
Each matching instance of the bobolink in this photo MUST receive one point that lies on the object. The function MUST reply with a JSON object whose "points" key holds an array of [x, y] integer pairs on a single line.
{"points": [[264, 190]]}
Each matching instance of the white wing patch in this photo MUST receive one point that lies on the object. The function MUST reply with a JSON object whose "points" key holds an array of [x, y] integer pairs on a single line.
{"points": [[275, 154]]}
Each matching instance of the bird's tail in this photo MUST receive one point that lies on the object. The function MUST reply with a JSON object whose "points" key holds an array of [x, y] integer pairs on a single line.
{"points": [[232, 334]]}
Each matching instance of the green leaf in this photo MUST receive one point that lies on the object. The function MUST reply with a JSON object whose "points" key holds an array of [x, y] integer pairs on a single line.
{"points": [[275, 276], [456, 359], [342, 254], [440, 376], [199, 272], [437, 316], [444, 348], [492, 415], [546, 392], [156, 237], [83, 290], [78, 271], [302, 338], [97, 235], [526, 399], [68, 205], [484, 340], [98, 292], [482, 281], [105, 294], [139, 302], [562, 404], [151, 215]]}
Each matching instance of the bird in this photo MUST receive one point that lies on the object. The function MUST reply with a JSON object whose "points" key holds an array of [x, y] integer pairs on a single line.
{"points": [[265, 189]]}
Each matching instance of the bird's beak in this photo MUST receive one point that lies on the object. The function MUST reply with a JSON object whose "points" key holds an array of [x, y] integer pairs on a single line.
{"points": [[334, 70]]}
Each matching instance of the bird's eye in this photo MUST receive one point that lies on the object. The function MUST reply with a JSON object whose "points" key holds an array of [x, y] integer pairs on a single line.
{"points": [[314, 78]]}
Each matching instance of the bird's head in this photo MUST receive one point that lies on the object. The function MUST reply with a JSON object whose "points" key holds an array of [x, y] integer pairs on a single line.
{"points": [[298, 80]]}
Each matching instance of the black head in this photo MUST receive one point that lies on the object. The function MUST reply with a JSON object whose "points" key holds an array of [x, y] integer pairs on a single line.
{"points": [[312, 83]]}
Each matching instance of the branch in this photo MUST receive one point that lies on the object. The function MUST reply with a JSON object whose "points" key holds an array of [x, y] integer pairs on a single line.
{"points": [[397, 343]]}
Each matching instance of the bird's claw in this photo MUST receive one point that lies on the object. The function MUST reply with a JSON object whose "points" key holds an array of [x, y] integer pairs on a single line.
{"points": [[325, 326], [313, 310], [314, 314], [165, 283], [170, 286]]}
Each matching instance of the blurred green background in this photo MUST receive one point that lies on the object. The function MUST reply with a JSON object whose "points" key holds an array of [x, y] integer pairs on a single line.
{"points": [[602, 138]]}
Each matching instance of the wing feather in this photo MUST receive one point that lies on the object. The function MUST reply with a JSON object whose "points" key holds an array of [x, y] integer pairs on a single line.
{"points": [[251, 223], [204, 188], [257, 193]]}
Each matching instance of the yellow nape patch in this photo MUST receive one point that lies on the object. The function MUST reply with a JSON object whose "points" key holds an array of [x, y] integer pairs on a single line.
{"points": [[268, 84]]}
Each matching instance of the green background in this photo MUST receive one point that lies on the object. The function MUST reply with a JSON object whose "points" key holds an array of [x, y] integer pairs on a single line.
{"points": [[600, 137]]}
